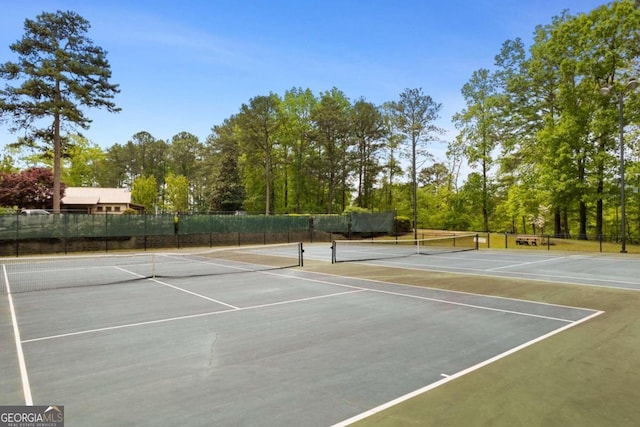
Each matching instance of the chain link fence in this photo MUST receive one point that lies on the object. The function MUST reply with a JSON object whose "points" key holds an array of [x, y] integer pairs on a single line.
{"points": [[32, 234]]}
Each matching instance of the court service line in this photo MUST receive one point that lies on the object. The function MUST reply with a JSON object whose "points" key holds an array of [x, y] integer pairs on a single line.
{"points": [[451, 291], [189, 316], [180, 289], [474, 306], [438, 300], [195, 294], [459, 374], [28, 399], [520, 264]]}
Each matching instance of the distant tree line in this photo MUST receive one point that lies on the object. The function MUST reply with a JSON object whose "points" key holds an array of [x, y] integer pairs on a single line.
{"points": [[540, 138]]}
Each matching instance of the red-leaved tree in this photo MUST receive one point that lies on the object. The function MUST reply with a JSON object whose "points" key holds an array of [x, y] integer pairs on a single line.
{"points": [[31, 189]]}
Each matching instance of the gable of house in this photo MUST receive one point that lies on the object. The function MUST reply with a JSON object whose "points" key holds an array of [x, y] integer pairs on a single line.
{"points": [[97, 200]]}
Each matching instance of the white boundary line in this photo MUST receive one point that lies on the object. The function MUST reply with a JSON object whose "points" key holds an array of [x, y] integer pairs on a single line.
{"points": [[519, 264], [439, 300], [451, 291], [180, 289], [28, 399], [459, 374]]}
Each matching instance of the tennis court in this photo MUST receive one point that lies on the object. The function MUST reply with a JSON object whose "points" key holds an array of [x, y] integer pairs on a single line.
{"points": [[181, 340], [460, 257]]}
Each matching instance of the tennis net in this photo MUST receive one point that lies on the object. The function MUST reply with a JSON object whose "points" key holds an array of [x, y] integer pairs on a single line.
{"points": [[44, 273], [372, 249]]}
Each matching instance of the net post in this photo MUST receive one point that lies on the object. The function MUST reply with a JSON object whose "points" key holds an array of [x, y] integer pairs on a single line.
{"points": [[477, 238], [153, 265], [333, 252], [300, 255]]}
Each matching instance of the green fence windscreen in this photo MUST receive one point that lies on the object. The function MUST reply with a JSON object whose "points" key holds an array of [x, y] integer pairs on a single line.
{"points": [[19, 227]]}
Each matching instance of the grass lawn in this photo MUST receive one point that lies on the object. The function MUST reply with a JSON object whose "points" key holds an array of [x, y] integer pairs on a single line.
{"points": [[588, 375]]}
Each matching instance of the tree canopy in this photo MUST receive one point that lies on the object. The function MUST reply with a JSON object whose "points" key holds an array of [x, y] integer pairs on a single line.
{"points": [[539, 141], [31, 189]]}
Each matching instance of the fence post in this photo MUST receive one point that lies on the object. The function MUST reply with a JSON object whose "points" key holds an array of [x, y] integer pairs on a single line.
{"points": [[17, 233], [106, 232], [600, 240], [146, 230], [65, 229]]}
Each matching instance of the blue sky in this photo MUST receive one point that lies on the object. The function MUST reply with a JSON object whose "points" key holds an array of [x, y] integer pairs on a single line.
{"points": [[188, 65]]}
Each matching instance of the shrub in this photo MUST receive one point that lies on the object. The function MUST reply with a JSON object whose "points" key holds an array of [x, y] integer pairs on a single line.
{"points": [[403, 224]]}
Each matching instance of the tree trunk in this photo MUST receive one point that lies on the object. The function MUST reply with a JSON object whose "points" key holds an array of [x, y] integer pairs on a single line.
{"points": [[557, 223], [414, 182], [267, 177], [485, 196], [57, 156], [599, 207], [582, 235]]}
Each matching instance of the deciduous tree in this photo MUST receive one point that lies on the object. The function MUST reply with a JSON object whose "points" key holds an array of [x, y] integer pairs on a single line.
{"points": [[31, 188], [479, 129], [177, 193], [225, 191], [259, 122], [414, 116], [144, 192]]}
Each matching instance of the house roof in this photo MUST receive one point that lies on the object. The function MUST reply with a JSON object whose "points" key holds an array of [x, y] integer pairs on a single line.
{"points": [[94, 196]]}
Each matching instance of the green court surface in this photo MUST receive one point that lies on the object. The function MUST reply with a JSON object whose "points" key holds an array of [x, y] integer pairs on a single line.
{"points": [[472, 338], [586, 376]]}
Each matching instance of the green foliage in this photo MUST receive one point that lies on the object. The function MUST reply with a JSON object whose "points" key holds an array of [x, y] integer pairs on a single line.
{"points": [[480, 124], [368, 131], [30, 188], [226, 191], [540, 139], [8, 210], [7, 164], [144, 192], [177, 193], [413, 116], [258, 125], [355, 209], [403, 224], [331, 135], [83, 163]]}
